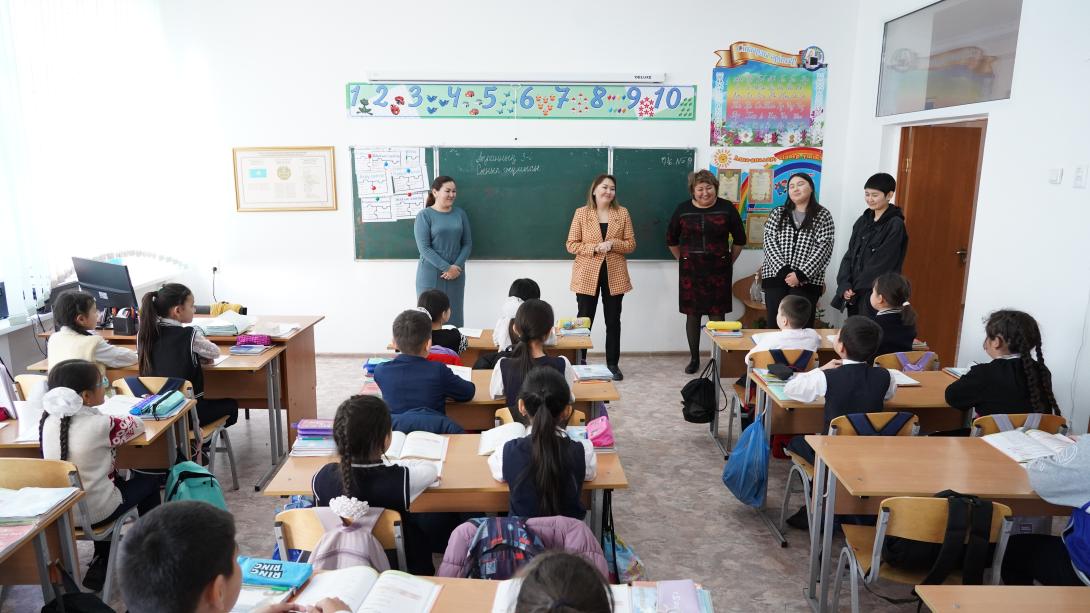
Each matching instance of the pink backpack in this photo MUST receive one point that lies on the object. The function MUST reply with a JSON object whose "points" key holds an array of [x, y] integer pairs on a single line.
{"points": [[353, 545]]}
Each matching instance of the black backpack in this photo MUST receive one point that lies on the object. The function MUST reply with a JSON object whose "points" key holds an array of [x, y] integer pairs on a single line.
{"points": [[965, 544], [698, 396]]}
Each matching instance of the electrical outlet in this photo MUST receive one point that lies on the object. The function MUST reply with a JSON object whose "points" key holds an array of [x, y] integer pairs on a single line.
{"points": [[1056, 176], [1079, 181]]}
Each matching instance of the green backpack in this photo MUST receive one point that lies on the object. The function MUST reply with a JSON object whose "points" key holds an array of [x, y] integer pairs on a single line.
{"points": [[191, 481]]}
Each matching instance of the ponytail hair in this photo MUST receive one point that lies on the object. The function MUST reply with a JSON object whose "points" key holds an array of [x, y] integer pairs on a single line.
{"points": [[360, 428], [533, 322], [896, 290], [437, 185], [70, 305], [154, 305], [77, 375], [545, 395], [1022, 335]]}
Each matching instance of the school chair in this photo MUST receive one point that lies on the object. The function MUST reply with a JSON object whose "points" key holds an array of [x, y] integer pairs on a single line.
{"points": [[841, 426], [743, 392], [25, 384], [890, 361], [214, 432], [16, 473], [916, 518], [503, 416], [302, 529], [988, 424]]}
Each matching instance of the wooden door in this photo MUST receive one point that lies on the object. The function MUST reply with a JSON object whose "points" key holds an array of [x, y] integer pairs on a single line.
{"points": [[936, 186]]}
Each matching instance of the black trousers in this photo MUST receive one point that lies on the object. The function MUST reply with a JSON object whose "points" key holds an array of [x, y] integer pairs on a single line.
{"points": [[211, 409], [861, 306], [777, 291], [798, 446], [588, 306], [1038, 557]]}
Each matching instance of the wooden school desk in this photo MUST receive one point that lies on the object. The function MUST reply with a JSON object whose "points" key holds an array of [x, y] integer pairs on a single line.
{"points": [[157, 447], [729, 352], [1003, 598], [298, 374], [861, 471], [927, 401], [26, 561], [239, 377], [567, 346], [466, 484], [480, 412]]}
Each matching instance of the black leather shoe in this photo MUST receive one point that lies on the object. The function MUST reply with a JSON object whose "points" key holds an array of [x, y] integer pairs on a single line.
{"points": [[694, 365], [617, 375], [799, 520], [95, 577]]}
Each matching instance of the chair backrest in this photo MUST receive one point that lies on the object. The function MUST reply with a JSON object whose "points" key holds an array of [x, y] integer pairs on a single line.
{"points": [[34, 472], [302, 528], [1049, 423], [152, 383], [924, 518], [762, 359], [842, 425], [578, 418], [889, 360], [24, 384]]}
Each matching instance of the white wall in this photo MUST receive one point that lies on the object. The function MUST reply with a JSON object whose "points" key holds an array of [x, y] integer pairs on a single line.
{"points": [[1028, 248], [260, 73]]}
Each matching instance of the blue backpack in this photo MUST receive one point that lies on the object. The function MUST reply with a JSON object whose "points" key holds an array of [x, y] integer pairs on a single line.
{"points": [[1076, 537], [746, 471], [191, 481], [501, 546]]}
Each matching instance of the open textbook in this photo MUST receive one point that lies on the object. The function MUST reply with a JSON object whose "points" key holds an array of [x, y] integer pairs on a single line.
{"points": [[1024, 446], [420, 445], [682, 596], [494, 439], [364, 590]]}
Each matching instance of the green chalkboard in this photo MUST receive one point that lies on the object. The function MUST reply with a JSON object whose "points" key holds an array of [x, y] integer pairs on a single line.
{"points": [[520, 200], [650, 183]]}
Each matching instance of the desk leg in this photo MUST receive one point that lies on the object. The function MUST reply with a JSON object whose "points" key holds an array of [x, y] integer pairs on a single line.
{"points": [[818, 495], [68, 548], [714, 426], [41, 556], [276, 429], [172, 442], [827, 541], [764, 411], [597, 500]]}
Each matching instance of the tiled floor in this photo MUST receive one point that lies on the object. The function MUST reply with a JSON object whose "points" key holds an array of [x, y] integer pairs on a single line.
{"points": [[676, 513]]}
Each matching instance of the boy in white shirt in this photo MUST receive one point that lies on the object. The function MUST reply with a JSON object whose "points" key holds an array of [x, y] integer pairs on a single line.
{"points": [[521, 290], [791, 318]]}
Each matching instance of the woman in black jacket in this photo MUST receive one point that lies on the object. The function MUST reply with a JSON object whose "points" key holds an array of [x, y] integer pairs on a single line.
{"points": [[878, 245]]}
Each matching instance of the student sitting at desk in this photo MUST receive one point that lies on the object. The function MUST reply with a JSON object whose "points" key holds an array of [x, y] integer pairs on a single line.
{"points": [[183, 557], [521, 291], [545, 469], [793, 313], [533, 321], [889, 298], [1013, 382], [437, 305], [849, 385], [410, 381], [561, 581], [72, 429], [77, 314]]}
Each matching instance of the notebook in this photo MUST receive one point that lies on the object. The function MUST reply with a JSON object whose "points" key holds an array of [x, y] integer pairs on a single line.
{"points": [[902, 379], [249, 349], [26, 504], [494, 439], [955, 372], [464, 372], [1024, 446], [364, 590], [592, 372]]}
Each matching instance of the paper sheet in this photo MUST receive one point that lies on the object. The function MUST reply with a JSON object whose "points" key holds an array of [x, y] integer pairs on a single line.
{"points": [[471, 332], [392, 182], [464, 372], [118, 406], [219, 360], [902, 379]]}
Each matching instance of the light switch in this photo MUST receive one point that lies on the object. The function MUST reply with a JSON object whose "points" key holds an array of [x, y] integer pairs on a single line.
{"points": [[1080, 177], [1056, 176]]}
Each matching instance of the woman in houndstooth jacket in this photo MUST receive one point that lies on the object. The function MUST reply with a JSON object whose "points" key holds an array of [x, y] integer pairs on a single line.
{"points": [[798, 242], [600, 236]]}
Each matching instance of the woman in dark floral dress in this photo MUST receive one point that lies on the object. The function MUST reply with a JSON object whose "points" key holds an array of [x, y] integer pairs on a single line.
{"points": [[706, 236]]}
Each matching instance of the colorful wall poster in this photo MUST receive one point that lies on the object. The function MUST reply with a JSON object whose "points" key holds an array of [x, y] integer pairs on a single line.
{"points": [[391, 182], [762, 97], [639, 102]]}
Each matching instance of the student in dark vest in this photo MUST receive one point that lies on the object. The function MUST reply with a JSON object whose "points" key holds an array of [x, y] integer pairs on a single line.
{"points": [[362, 432], [533, 323], [895, 315], [545, 469], [170, 348]]}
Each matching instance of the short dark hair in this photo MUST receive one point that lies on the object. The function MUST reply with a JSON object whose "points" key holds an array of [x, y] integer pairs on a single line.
{"points": [[70, 305], [524, 289], [796, 309], [883, 182], [436, 302], [702, 176], [170, 555], [412, 329], [861, 337], [562, 581]]}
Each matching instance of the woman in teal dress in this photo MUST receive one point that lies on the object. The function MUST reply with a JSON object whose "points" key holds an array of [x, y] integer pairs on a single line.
{"points": [[444, 240]]}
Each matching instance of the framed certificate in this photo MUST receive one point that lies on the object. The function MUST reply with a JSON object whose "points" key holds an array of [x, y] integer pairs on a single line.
{"points": [[285, 179], [760, 186], [729, 180], [755, 230]]}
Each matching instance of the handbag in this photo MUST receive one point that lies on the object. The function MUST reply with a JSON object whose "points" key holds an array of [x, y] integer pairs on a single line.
{"points": [[746, 471]]}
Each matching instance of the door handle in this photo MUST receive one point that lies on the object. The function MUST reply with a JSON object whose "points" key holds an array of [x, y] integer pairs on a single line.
{"points": [[962, 253]]}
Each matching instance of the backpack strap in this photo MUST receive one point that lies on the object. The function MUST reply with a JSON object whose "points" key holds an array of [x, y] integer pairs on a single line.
{"points": [[894, 425], [925, 359], [862, 425], [137, 387], [1003, 422], [976, 552], [1033, 420], [800, 363], [951, 552], [903, 359]]}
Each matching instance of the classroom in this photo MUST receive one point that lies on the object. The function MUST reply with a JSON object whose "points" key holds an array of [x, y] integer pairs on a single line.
{"points": [[318, 225]]}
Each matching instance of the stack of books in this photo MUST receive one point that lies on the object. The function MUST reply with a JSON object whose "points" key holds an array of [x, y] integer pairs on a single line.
{"points": [[573, 332], [314, 437], [592, 372], [228, 323]]}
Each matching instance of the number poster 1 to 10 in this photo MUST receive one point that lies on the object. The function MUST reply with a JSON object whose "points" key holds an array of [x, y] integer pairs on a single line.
{"points": [[522, 101], [391, 182]]}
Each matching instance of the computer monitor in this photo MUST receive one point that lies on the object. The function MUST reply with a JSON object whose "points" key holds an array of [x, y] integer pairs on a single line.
{"points": [[108, 283]]}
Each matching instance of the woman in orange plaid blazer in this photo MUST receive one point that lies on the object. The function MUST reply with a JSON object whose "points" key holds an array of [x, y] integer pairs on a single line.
{"points": [[601, 235]]}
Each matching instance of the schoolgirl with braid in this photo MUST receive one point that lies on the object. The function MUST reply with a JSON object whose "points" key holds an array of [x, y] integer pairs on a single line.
{"points": [[545, 469], [72, 429], [1016, 380], [362, 432]]}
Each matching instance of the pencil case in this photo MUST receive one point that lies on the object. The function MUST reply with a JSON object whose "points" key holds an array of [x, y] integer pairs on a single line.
{"points": [[724, 325], [570, 323], [254, 339], [275, 573]]}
